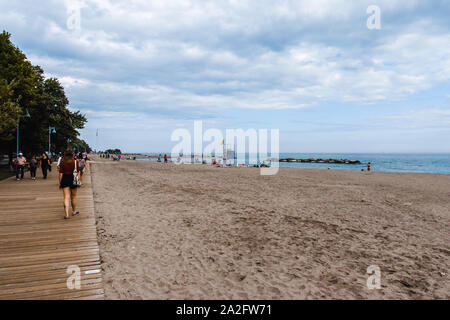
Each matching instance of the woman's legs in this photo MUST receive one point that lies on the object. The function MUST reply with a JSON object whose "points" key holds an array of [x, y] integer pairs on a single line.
{"points": [[73, 198], [67, 196]]}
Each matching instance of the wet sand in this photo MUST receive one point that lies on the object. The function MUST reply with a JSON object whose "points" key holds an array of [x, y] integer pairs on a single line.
{"points": [[200, 232]]}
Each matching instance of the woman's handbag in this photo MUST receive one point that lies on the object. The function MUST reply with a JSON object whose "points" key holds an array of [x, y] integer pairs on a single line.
{"points": [[76, 180]]}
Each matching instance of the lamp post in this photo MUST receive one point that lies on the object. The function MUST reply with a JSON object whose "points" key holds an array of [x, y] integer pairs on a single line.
{"points": [[27, 115], [50, 131]]}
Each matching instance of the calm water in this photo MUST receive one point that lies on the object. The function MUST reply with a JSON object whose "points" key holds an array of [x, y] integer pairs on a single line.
{"points": [[426, 163], [429, 163]]}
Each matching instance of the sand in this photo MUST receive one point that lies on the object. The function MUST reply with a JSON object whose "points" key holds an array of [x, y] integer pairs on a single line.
{"points": [[200, 232]]}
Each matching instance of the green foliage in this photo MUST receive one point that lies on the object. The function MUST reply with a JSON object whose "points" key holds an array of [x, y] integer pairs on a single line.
{"points": [[113, 151], [10, 111], [23, 88], [79, 145]]}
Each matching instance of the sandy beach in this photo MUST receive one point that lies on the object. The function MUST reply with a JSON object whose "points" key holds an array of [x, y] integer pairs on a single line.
{"points": [[200, 232]]}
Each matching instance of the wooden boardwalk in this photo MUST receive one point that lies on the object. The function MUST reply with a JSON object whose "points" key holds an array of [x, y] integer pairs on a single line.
{"points": [[37, 245]]}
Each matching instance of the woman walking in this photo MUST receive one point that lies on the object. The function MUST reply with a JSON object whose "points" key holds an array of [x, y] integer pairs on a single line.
{"points": [[45, 164], [82, 165], [33, 167], [68, 168]]}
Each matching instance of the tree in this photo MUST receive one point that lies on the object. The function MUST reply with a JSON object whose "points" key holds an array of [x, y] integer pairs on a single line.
{"points": [[17, 89], [113, 151], [10, 111], [79, 145], [23, 88], [56, 114]]}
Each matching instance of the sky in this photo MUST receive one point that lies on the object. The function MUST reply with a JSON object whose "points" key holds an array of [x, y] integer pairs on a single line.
{"points": [[140, 69]]}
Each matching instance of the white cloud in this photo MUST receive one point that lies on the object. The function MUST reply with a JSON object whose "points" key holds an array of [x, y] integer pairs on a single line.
{"points": [[69, 82], [423, 118], [186, 58], [193, 41]]}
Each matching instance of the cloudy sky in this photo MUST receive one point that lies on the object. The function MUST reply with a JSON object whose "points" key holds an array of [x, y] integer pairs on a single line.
{"points": [[313, 69]]}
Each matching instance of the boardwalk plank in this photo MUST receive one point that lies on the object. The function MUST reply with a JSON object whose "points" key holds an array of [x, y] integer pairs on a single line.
{"points": [[37, 245]]}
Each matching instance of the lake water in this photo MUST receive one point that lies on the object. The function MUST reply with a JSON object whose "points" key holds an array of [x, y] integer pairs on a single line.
{"points": [[428, 163], [389, 162]]}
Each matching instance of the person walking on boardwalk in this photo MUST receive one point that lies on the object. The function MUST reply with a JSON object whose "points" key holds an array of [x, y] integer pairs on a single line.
{"points": [[68, 168], [50, 161], [45, 164], [59, 161], [82, 165], [33, 167], [20, 165]]}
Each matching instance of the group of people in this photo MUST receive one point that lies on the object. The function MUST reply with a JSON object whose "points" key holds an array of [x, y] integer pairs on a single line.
{"points": [[115, 157], [106, 155], [21, 163], [166, 159], [71, 167]]}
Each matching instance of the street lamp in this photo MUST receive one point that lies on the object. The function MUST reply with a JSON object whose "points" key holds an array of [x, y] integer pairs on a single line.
{"points": [[50, 131], [27, 115]]}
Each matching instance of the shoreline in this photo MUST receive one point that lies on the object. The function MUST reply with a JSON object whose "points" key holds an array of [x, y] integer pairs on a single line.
{"points": [[438, 163], [318, 169], [198, 232]]}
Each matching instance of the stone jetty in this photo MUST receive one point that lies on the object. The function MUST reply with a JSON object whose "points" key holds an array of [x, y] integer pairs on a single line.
{"points": [[313, 160]]}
